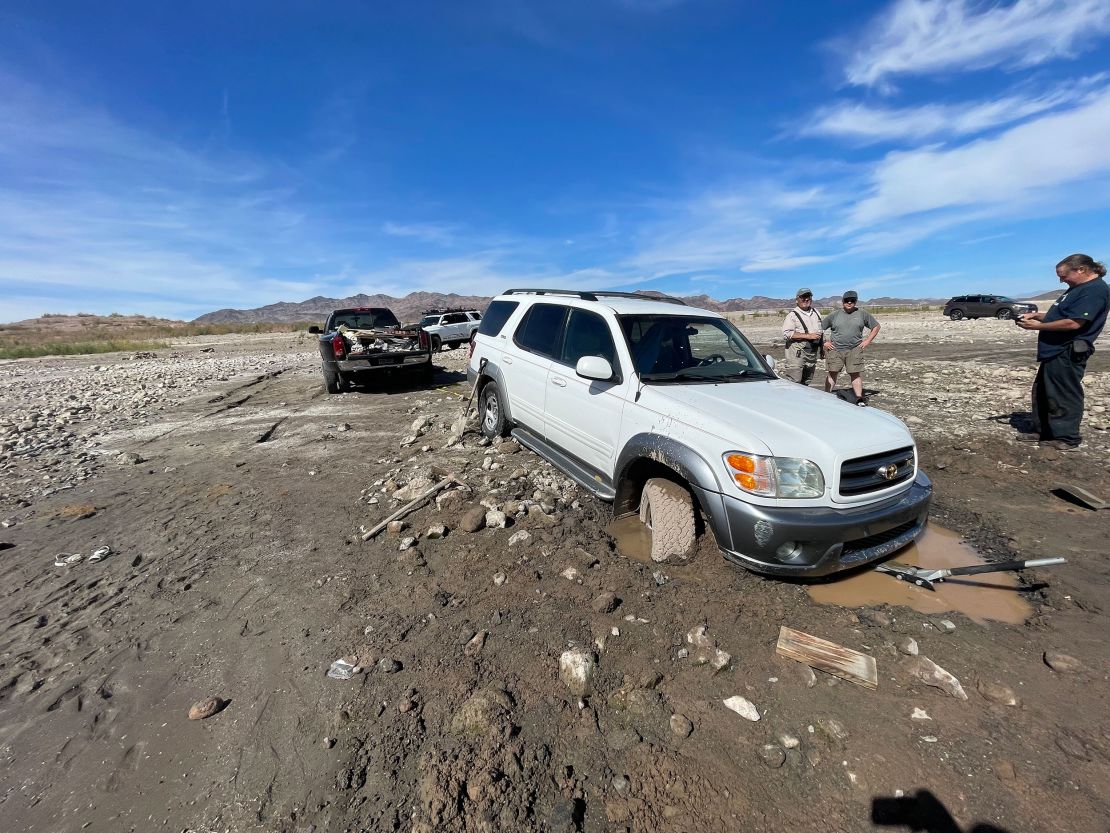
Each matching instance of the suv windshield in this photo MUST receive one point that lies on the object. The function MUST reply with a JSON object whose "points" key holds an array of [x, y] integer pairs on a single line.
{"points": [[682, 348]]}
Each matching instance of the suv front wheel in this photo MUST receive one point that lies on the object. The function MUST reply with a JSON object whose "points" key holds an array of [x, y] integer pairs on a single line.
{"points": [[1004, 314], [491, 412], [668, 511]]}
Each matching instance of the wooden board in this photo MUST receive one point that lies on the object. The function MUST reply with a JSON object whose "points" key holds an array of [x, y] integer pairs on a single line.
{"points": [[828, 657]]}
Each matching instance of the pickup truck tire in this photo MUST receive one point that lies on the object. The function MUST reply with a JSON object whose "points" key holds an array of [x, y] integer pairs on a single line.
{"points": [[491, 412], [667, 509], [437, 343], [332, 382]]}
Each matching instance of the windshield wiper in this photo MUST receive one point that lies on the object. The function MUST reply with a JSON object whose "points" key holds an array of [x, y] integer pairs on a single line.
{"points": [[689, 373]]}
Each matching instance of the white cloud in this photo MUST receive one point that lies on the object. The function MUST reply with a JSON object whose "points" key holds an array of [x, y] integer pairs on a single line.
{"points": [[1056, 150], [866, 124], [785, 263], [439, 233], [921, 37]]}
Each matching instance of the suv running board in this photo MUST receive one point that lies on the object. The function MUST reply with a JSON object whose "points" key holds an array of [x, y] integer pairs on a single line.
{"points": [[581, 474]]}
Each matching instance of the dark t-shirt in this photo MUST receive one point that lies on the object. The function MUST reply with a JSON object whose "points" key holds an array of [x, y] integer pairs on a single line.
{"points": [[847, 327], [1086, 303]]}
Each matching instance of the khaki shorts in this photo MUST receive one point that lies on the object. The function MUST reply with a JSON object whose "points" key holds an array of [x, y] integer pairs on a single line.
{"points": [[850, 360]]}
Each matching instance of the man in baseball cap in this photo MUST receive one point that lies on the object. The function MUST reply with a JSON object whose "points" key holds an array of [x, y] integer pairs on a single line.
{"points": [[845, 345], [802, 333]]}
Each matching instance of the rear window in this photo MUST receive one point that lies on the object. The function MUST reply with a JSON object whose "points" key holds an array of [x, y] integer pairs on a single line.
{"points": [[497, 313], [365, 319], [541, 329]]}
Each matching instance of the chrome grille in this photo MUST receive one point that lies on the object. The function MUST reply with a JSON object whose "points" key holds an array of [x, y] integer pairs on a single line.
{"points": [[870, 474]]}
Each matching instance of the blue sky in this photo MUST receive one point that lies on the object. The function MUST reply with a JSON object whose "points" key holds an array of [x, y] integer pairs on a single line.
{"points": [[173, 159]]}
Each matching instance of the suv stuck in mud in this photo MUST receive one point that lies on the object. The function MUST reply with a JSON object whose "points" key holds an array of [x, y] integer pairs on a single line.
{"points": [[666, 410]]}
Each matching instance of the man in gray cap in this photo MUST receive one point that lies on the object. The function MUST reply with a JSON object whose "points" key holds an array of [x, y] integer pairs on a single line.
{"points": [[845, 345], [802, 333]]}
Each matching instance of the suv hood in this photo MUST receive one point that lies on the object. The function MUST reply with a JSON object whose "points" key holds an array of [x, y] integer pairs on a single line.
{"points": [[743, 416]]}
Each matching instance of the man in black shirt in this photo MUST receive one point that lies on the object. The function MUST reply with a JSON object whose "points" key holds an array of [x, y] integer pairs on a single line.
{"points": [[1065, 340]]}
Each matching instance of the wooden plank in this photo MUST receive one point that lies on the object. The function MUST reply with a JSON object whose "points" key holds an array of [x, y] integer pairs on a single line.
{"points": [[828, 657], [408, 507]]}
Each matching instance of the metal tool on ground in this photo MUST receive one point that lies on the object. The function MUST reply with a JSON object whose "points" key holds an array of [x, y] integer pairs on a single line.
{"points": [[1076, 494], [927, 578], [459, 425]]}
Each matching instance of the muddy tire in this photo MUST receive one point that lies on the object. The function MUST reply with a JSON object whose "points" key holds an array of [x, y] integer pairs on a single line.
{"points": [[956, 314], [667, 509], [491, 412], [437, 344], [332, 382]]}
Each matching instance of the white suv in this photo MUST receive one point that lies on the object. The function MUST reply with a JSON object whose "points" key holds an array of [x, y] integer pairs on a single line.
{"points": [[666, 409], [450, 328]]}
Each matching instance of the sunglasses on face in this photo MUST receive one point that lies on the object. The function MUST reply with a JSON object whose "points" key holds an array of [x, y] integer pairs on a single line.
{"points": [[848, 302]]}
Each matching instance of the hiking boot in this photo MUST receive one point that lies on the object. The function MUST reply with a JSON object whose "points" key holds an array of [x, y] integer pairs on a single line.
{"points": [[1059, 445], [1028, 438]]}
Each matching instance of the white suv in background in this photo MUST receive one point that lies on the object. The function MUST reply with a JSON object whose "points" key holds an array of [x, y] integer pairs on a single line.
{"points": [[450, 328], [666, 409]]}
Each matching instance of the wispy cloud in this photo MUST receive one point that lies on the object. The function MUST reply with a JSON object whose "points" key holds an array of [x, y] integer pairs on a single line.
{"points": [[920, 37], [785, 263], [867, 124], [438, 233]]}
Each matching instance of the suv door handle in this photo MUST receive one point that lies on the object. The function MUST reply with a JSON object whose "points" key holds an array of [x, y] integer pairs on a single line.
{"points": [[506, 359], [556, 380]]}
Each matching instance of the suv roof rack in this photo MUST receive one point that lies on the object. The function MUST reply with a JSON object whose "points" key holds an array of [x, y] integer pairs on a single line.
{"points": [[593, 295]]}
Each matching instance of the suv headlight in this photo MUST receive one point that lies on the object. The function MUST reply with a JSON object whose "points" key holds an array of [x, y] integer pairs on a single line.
{"points": [[785, 477]]}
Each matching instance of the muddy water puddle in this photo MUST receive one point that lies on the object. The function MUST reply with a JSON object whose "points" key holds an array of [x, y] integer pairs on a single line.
{"points": [[633, 541], [982, 598]]}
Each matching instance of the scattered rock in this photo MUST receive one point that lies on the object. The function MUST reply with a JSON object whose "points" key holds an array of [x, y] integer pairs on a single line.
{"points": [[496, 519], [788, 741], [743, 707], [833, 729], [925, 670], [605, 603], [571, 574], [130, 458], [476, 643], [772, 755], [435, 532], [997, 693], [395, 527], [1004, 771], [508, 447], [518, 537], [919, 714], [388, 666], [908, 646], [485, 713], [205, 708], [576, 668], [945, 626], [406, 543], [499, 579], [473, 520], [681, 725], [1062, 663]]}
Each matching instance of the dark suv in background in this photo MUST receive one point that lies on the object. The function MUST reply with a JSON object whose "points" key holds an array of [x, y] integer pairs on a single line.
{"points": [[979, 306]]}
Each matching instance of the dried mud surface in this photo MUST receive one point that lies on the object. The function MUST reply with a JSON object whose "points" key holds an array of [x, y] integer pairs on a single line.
{"points": [[232, 490]]}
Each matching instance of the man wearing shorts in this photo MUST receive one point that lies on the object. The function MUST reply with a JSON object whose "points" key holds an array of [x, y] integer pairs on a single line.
{"points": [[845, 344], [802, 333]]}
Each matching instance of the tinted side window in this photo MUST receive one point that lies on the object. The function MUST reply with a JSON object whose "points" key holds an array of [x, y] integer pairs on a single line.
{"points": [[587, 335], [454, 318], [497, 313], [541, 331]]}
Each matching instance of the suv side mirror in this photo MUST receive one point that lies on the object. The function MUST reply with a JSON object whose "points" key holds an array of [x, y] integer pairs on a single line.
{"points": [[770, 360], [314, 330], [594, 367]]}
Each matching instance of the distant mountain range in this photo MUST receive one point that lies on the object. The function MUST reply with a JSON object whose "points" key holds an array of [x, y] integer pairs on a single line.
{"points": [[413, 305]]}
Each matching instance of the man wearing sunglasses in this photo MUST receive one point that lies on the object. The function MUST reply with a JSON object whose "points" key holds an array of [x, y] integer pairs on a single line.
{"points": [[845, 345], [802, 332]]}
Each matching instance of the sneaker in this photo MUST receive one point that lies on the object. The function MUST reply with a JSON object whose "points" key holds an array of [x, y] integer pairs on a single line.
{"points": [[1059, 445], [1028, 438], [861, 403]]}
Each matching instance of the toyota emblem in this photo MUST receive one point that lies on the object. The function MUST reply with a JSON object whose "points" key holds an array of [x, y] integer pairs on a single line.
{"points": [[887, 472]]}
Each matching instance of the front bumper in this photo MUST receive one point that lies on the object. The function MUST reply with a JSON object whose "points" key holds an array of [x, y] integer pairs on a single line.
{"points": [[825, 540]]}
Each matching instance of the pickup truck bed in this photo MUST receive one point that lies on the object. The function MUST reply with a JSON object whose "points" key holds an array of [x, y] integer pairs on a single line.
{"points": [[361, 342]]}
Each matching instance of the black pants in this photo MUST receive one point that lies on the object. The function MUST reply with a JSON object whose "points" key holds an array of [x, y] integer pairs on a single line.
{"points": [[1058, 396]]}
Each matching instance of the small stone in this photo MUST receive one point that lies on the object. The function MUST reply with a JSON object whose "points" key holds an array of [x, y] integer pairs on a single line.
{"points": [[571, 574], [743, 707], [945, 626], [508, 447], [788, 741], [620, 785], [1004, 771], [519, 537], [496, 519], [406, 543], [908, 645], [395, 527], [1062, 663], [576, 668], [681, 725], [833, 729], [809, 677], [919, 714], [205, 708], [473, 520], [476, 643], [343, 427], [997, 693], [329, 743], [924, 669], [772, 755], [499, 579], [605, 603], [388, 666], [435, 532]]}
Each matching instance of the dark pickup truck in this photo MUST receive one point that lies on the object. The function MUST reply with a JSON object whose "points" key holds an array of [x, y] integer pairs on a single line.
{"points": [[357, 343]]}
